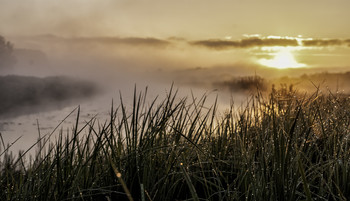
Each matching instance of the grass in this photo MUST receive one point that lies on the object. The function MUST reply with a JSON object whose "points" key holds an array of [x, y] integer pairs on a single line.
{"points": [[281, 146]]}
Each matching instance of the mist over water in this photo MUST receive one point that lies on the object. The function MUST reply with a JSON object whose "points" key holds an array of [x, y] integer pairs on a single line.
{"points": [[51, 78], [115, 66]]}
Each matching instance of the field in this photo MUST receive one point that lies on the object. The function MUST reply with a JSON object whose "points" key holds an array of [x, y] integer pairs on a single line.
{"points": [[284, 145]]}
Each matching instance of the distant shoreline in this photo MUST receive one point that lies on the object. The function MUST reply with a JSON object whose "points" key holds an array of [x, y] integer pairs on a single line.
{"points": [[25, 95]]}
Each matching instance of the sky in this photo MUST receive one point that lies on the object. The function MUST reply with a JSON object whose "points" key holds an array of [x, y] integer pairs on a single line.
{"points": [[163, 34], [194, 19]]}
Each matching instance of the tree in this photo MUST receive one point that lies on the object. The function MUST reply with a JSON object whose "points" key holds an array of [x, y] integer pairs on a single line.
{"points": [[7, 60]]}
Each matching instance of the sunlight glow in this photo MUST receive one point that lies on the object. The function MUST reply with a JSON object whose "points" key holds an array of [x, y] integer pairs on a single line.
{"points": [[282, 60]]}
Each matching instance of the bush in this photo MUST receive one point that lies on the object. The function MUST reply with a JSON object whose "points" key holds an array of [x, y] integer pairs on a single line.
{"points": [[244, 84]]}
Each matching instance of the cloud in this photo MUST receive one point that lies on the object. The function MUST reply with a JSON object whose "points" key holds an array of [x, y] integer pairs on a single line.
{"points": [[216, 44], [133, 41], [252, 42], [348, 42], [322, 42], [245, 43], [130, 41]]}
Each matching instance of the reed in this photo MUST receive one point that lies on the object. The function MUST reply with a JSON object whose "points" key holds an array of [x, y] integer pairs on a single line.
{"points": [[281, 146]]}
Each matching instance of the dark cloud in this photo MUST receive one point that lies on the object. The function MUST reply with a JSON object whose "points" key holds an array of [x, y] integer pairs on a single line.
{"points": [[252, 42], [216, 44], [245, 43], [219, 44], [348, 42], [322, 43], [132, 41]]}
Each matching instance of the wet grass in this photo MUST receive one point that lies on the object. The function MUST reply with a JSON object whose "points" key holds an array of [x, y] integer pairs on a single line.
{"points": [[282, 146]]}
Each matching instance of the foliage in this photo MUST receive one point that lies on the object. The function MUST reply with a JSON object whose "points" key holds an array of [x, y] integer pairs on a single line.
{"points": [[285, 146], [7, 60], [244, 84], [22, 94]]}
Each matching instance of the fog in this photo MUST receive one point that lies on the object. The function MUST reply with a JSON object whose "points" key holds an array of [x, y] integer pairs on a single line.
{"points": [[113, 64], [116, 63], [53, 75]]}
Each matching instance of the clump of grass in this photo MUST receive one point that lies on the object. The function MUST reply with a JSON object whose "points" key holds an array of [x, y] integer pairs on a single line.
{"points": [[284, 146], [244, 84]]}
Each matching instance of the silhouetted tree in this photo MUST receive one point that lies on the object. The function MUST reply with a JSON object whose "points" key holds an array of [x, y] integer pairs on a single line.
{"points": [[6, 57]]}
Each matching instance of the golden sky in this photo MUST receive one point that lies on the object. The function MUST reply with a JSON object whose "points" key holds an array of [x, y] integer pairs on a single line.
{"points": [[183, 18], [189, 33]]}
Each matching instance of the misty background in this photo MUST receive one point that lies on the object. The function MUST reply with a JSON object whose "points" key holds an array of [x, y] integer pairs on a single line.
{"points": [[52, 71], [55, 56]]}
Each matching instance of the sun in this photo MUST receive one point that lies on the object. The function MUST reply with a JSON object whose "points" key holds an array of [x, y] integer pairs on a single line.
{"points": [[283, 59]]}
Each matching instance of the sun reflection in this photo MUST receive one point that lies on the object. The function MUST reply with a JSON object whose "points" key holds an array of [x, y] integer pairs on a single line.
{"points": [[283, 59]]}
